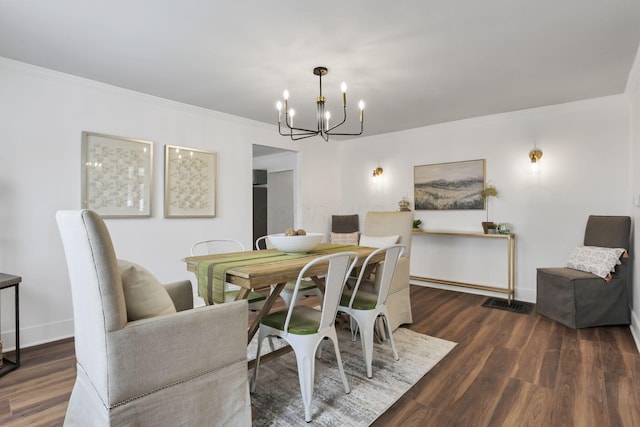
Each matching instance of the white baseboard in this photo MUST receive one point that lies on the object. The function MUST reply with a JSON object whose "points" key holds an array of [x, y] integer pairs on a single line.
{"points": [[521, 294], [36, 335], [635, 329]]}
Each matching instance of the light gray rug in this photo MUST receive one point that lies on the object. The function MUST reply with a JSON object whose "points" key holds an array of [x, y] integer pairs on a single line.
{"points": [[277, 400]]}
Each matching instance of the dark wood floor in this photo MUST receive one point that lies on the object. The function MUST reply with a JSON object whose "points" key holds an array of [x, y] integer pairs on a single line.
{"points": [[507, 370]]}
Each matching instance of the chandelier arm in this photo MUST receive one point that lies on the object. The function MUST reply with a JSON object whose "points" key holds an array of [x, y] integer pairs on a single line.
{"points": [[349, 134], [344, 119], [299, 136]]}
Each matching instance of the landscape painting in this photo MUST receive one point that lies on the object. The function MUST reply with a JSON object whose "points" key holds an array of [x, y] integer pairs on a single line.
{"points": [[449, 186]]}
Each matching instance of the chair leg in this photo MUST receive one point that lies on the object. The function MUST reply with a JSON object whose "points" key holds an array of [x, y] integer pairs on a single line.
{"points": [[347, 390], [385, 321], [306, 368], [366, 334]]}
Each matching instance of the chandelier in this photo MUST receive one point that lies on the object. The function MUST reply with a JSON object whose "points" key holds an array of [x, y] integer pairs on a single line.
{"points": [[324, 129]]}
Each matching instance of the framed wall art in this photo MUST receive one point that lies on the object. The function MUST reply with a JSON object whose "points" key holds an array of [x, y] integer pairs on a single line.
{"points": [[189, 182], [449, 186], [116, 175]]}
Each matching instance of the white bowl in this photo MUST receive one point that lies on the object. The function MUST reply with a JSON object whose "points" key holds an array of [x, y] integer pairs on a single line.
{"points": [[295, 244]]}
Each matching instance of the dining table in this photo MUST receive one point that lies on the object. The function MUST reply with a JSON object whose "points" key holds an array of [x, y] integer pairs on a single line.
{"points": [[261, 269]]}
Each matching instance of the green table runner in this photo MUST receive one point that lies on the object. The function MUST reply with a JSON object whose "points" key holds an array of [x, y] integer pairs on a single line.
{"points": [[212, 273]]}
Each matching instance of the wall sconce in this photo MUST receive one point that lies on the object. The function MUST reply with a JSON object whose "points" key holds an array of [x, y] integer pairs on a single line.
{"points": [[535, 155], [376, 173]]}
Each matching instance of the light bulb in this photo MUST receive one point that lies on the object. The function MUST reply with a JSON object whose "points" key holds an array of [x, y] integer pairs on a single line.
{"points": [[292, 113], [279, 106], [361, 104], [285, 94], [343, 87]]}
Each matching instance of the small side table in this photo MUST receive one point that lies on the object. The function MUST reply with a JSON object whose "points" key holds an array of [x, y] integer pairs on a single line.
{"points": [[8, 281]]}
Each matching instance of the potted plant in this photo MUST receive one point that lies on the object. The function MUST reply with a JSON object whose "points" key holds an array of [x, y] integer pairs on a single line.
{"points": [[416, 224], [489, 191]]}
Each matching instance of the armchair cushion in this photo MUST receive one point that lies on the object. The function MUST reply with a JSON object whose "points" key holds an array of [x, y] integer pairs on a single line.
{"points": [[378, 241], [596, 260], [346, 238], [144, 295]]}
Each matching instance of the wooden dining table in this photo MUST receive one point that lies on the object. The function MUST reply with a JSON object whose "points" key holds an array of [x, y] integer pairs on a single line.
{"points": [[276, 269]]}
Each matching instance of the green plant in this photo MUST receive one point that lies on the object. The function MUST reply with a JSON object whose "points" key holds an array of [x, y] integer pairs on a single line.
{"points": [[488, 192], [416, 223]]}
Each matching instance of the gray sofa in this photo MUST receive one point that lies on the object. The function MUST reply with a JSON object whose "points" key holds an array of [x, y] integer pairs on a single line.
{"points": [[188, 367]]}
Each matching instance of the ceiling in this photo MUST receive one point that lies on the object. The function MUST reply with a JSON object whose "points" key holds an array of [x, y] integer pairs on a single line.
{"points": [[414, 62]]}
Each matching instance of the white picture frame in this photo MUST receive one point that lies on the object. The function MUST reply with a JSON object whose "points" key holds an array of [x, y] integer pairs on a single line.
{"points": [[189, 182], [117, 175]]}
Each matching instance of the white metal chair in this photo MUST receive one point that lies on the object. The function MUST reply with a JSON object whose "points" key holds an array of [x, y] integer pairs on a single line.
{"points": [[365, 307], [307, 288], [304, 328], [222, 246]]}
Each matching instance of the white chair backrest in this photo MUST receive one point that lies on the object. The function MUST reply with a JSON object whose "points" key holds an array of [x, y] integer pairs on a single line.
{"points": [[338, 270], [384, 272], [267, 243], [216, 246]]}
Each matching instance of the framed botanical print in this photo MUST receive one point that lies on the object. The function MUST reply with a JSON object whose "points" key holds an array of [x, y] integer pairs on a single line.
{"points": [[116, 175], [189, 182]]}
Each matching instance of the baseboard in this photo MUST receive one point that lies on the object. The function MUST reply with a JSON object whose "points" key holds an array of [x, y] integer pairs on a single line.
{"points": [[36, 335], [521, 294], [635, 329]]}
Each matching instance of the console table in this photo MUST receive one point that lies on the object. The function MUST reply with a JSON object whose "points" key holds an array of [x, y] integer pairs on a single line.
{"points": [[10, 281], [511, 249]]}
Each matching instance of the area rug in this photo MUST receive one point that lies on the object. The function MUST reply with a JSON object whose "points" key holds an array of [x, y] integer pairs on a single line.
{"points": [[277, 401], [515, 306]]}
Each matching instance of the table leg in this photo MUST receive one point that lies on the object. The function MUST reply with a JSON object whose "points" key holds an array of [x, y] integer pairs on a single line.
{"points": [[271, 299]]}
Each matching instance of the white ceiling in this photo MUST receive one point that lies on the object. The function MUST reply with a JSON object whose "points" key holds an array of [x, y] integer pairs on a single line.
{"points": [[415, 63]]}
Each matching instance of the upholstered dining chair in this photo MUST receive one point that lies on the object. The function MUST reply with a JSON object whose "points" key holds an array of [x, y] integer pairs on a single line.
{"points": [[130, 339], [366, 307], [304, 328], [384, 224], [582, 299], [307, 288], [223, 246]]}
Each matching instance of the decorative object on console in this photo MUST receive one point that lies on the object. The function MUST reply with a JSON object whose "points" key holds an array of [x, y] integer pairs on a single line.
{"points": [[116, 175], [416, 224], [403, 205], [504, 228], [323, 127], [189, 182], [449, 186], [486, 193]]}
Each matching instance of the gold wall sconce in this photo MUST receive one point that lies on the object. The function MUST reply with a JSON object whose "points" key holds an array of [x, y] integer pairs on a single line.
{"points": [[535, 155], [377, 173]]}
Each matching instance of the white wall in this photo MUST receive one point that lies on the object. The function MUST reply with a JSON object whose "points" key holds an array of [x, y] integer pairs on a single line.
{"points": [[43, 114], [633, 93], [584, 170]]}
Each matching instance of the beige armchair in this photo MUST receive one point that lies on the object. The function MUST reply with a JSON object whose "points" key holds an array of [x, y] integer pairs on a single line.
{"points": [[401, 224], [187, 367]]}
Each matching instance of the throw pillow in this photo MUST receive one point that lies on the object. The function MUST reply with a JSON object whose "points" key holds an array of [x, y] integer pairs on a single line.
{"points": [[378, 241], [594, 259], [144, 295], [345, 238]]}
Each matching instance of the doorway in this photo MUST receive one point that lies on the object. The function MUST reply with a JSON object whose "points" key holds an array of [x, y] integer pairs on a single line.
{"points": [[273, 200]]}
